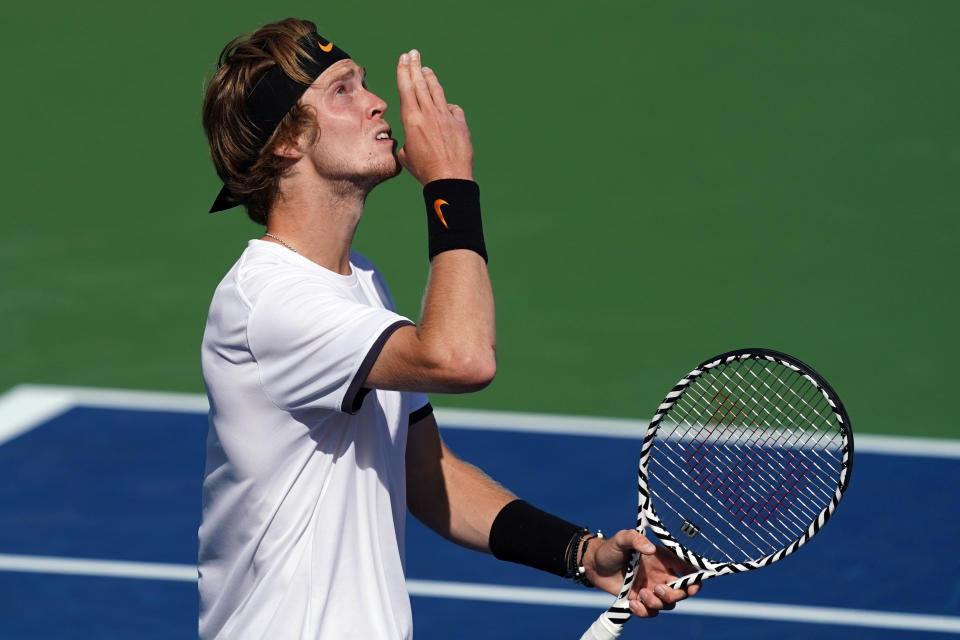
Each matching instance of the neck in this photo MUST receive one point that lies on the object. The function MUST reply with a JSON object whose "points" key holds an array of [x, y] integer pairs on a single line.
{"points": [[319, 222]]}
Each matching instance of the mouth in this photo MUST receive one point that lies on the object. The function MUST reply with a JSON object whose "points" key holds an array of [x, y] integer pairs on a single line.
{"points": [[384, 136]]}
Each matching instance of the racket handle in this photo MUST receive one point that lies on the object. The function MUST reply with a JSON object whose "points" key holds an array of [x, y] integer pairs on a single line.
{"points": [[602, 629]]}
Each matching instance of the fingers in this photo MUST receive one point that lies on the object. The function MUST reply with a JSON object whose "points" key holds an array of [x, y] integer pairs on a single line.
{"points": [[433, 86], [414, 92], [405, 84], [656, 568], [614, 555], [436, 137], [646, 605], [416, 81], [420, 88], [457, 112], [649, 603]]}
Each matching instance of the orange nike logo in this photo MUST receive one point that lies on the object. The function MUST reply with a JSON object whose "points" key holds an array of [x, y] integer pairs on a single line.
{"points": [[326, 48], [436, 207]]}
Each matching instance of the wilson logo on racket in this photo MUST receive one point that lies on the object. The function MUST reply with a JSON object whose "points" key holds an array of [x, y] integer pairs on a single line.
{"points": [[689, 529], [436, 207]]}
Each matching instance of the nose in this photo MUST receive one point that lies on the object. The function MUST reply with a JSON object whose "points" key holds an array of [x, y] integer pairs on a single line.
{"points": [[377, 105]]}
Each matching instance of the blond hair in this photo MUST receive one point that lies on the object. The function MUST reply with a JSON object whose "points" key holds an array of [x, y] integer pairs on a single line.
{"points": [[252, 174]]}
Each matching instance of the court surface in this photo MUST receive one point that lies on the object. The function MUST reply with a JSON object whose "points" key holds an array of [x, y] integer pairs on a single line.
{"points": [[100, 503]]}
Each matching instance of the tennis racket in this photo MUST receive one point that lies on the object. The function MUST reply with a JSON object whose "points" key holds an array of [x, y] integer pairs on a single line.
{"points": [[745, 460]]}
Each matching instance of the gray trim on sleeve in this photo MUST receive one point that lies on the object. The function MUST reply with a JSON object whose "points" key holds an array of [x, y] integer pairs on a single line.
{"points": [[420, 414], [356, 392]]}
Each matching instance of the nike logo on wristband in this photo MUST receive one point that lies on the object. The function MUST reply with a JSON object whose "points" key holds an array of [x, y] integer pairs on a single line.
{"points": [[326, 48], [436, 207]]}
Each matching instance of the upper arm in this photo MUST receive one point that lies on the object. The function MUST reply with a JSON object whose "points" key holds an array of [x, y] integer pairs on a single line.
{"points": [[314, 349], [452, 497], [414, 360], [424, 455], [452, 349]]}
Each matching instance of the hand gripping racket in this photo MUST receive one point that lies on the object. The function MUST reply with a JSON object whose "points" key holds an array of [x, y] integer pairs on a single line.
{"points": [[745, 461]]}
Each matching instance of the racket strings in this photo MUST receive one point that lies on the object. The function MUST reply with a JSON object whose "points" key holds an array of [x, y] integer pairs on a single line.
{"points": [[745, 449], [804, 421], [702, 511], [751, 486], [733, 467], [770, 443], [801, 424], [767, 438], [806, 446], [827, 436], [752, 449], [797, 432], [775, 529], [672, 521]]}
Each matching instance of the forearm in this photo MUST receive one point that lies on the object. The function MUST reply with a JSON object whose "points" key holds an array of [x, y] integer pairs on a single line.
{"points": [[457, 500], [452, 349], [457, 322], [464, 505]]}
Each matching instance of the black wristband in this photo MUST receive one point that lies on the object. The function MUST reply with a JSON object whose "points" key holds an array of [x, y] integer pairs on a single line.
{"points": [[526, 535], [453, 216]]}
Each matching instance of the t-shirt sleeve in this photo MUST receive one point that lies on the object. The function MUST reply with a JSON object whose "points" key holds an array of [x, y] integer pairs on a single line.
{"points": [[420, 407], [314, 348]]}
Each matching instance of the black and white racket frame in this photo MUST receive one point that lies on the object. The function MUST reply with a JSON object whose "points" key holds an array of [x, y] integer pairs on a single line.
{"points": [[612, 620]]}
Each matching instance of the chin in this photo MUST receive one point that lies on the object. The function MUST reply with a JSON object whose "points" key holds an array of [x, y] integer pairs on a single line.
{"points": [[367, 180], [386, 171]]}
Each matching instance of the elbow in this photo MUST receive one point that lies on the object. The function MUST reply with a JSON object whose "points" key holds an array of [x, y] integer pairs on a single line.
{"points": [[468, 371], [480, 371]]}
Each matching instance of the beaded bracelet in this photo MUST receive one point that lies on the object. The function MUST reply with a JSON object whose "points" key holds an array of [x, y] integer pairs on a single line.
{"points": [[580, 577], [572, 552]]}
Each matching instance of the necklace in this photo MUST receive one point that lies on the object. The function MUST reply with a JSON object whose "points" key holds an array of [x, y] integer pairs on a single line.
{"points": [[270, 235]]}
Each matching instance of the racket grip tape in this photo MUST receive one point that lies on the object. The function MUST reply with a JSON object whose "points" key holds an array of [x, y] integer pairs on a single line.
{"points": [[602, 629]]}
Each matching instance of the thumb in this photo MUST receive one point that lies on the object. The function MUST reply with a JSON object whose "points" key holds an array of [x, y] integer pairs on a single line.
{"points": [[633, 540]]}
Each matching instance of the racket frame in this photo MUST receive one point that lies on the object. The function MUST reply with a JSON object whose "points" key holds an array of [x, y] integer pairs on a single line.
{"points": [[610, 623]]}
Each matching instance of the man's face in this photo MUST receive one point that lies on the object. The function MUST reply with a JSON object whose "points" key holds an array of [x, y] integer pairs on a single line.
{"points": [[354, 143]]}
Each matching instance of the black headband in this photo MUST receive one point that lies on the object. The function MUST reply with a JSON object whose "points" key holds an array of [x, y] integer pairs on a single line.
{"points": [[276, 93]]}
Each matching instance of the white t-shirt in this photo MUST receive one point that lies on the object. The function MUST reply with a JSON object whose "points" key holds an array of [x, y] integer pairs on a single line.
{"points": [[304, 493]]}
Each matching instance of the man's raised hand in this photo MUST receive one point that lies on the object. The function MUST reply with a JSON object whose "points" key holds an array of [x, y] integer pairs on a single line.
{"points": [[436, 137]]}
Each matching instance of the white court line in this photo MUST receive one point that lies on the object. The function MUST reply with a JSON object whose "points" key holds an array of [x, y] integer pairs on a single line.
{"points": [[523, 595], [98, 568], [27, 406], [24, 407]]}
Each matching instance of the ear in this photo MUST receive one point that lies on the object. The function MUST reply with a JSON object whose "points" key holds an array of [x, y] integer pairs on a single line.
{"points": [[291, 150]]}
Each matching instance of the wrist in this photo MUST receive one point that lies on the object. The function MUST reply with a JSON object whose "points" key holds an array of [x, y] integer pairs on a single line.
{"points": [[449, 175], [586, 566], [453, 216], [526, 535]]}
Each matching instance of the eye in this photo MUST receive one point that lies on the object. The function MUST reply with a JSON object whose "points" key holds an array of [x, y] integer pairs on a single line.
{"points": [[341, 90]]}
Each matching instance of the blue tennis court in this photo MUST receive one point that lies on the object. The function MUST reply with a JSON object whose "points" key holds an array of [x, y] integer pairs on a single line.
{"points": [[100, 503]]}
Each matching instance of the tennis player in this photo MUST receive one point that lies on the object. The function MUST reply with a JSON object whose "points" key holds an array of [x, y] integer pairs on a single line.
{"points": [[321, 435]]}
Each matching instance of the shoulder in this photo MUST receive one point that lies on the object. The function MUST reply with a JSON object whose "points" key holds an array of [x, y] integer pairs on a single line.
{"points": [[266, 268], [368, 272], [363, 264]]}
